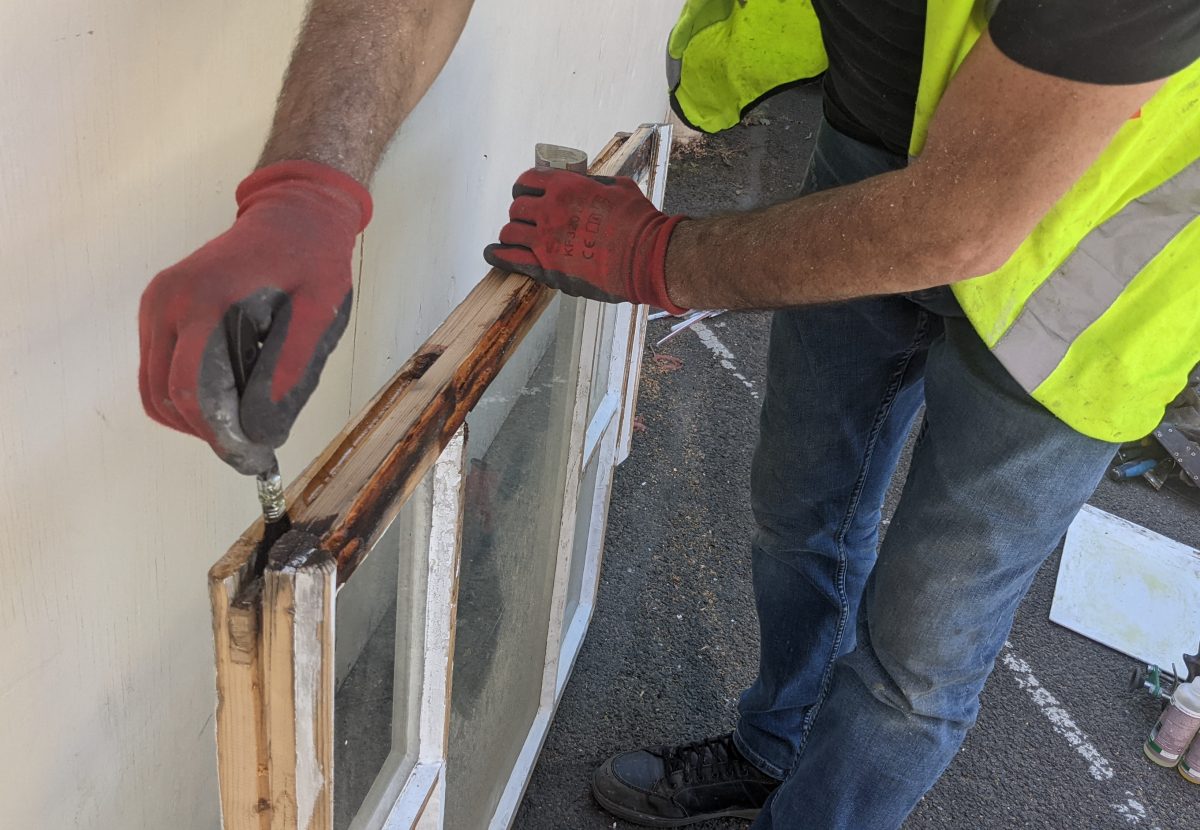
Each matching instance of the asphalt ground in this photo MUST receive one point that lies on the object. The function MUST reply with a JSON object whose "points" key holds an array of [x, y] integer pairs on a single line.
{"points": [[674, 639]]}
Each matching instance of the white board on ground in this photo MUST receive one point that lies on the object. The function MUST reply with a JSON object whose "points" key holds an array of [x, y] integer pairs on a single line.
{"points": [[1129, 588]]}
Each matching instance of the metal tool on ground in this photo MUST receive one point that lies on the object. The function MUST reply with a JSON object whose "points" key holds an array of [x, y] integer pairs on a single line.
{"points": [[1132, 469], [1156, 682], [1169, 456], [244, 349]]}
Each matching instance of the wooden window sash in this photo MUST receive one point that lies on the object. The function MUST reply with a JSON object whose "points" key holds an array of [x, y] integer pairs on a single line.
{"points": [[620, 384], [632, 373], [273, 633]]}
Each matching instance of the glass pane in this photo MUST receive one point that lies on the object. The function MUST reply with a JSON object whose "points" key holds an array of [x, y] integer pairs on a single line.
{"points": [[380, 639], [517, 450], [583, 526], [604, 348]]}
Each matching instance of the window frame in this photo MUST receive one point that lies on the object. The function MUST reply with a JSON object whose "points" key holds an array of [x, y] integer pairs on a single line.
{"points": [[273, 632]]}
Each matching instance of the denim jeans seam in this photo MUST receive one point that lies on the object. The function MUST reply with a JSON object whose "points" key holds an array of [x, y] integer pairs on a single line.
{"points": [[885, 408], [762, 764]]}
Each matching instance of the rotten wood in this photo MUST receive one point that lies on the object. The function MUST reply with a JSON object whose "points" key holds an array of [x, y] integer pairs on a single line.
{"points": [[349, 495], [345, 499], [241, 729]]}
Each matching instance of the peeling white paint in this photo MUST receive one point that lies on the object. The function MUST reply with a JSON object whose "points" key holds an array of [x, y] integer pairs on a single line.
{"points": [[310, 780]]}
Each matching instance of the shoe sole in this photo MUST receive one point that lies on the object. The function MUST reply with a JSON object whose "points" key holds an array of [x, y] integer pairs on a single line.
{"points": [[657, 821]]}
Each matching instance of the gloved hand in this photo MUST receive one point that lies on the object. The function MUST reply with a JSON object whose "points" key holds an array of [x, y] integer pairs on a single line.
{"points": [[285, 265], [588, 236]]}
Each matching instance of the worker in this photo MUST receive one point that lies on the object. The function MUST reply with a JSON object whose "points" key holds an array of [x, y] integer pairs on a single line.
{"points": [[998, 224]]}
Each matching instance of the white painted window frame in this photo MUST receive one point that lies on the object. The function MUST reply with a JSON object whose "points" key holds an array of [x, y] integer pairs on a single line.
{"points": [[275, 645]]}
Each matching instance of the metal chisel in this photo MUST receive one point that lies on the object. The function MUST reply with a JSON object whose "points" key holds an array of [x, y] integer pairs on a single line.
{"points": [[244, 350]]}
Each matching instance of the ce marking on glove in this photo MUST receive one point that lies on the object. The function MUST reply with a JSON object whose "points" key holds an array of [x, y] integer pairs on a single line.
{"points": [[598, 212]]}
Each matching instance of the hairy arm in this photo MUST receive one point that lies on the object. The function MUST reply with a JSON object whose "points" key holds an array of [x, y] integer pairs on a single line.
{"points": [[1005, 144], [286, 265], [358, 69]]}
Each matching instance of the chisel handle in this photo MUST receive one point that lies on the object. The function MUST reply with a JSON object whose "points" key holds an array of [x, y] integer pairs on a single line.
{"points": [[244, 348]]}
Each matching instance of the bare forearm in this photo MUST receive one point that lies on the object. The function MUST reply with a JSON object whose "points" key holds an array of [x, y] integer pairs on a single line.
{"points": [[1006, 143], [359, 68], [880, 236]]}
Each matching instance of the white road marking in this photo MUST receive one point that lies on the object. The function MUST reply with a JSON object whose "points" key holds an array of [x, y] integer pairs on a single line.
{"points": [[722, 353], [1060, 719], [1133, 811], [1130, 810]]}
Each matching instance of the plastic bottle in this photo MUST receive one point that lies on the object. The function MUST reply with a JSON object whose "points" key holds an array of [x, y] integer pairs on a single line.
{"points": [[1176, 727], [1189, 765]]}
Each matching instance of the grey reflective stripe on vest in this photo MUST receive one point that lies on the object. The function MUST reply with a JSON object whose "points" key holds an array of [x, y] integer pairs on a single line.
{"points": [[1093, 277]]}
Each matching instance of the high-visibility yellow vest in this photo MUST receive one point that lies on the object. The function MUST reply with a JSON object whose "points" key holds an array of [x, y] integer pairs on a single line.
{"points": [[1097, 313]]}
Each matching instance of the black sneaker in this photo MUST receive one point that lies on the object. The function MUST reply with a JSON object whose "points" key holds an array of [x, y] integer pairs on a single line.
{"points": [[679, 785]]}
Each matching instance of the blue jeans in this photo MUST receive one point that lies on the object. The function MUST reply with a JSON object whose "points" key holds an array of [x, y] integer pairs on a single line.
{"points": [[873, 657]]}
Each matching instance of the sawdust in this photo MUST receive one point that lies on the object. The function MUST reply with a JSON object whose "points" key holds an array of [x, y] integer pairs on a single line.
{"points": [[704, 149]]}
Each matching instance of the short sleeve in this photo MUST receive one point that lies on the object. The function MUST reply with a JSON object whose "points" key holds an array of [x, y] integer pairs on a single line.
{"points": [[1099, 41]]}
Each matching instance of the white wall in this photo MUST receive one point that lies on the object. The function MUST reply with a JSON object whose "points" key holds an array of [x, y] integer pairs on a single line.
{"points": [[124, 127]]}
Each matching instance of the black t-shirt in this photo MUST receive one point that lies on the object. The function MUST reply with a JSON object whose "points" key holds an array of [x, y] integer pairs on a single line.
{"points": [[875, 49]]}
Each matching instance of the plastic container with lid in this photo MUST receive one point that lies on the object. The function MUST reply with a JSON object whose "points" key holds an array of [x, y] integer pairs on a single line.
{"points": [[1189, 764], [1176, 727]]}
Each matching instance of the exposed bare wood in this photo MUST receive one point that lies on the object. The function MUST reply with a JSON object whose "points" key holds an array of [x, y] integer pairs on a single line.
{"points": [[298, 671], [241, 734], [353, 490], [275, 667], [432, 815]]}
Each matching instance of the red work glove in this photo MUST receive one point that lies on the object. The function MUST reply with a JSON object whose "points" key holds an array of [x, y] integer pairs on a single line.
{"points": [[284, 272], [588, 236]]}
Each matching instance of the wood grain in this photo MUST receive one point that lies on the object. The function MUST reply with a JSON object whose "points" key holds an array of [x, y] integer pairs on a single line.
{"points": [[274, 737], [353, 490], [297, 671], [241, 730]]}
